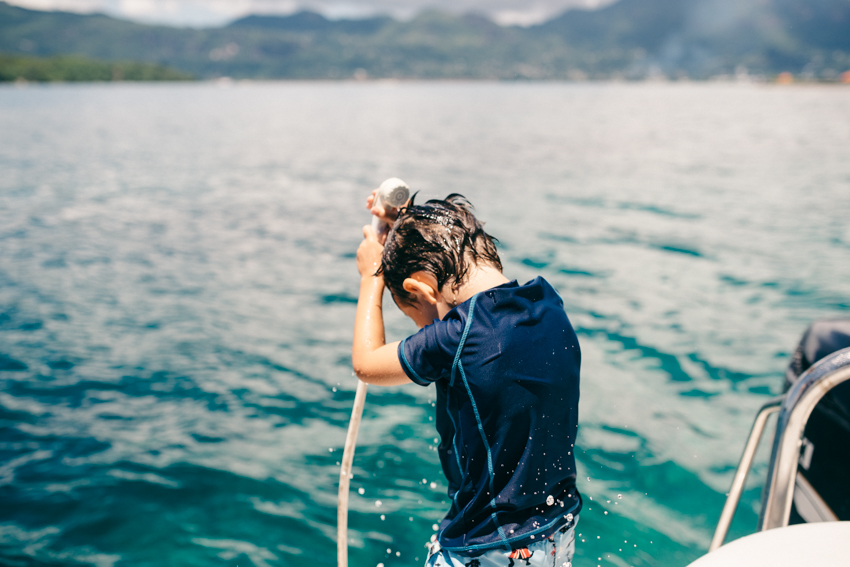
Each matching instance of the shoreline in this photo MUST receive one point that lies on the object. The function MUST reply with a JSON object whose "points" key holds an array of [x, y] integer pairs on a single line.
{"points": [[229, 81]]}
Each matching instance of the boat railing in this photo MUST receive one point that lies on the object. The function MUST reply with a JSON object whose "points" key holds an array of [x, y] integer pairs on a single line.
{"points": [[794, 409]]}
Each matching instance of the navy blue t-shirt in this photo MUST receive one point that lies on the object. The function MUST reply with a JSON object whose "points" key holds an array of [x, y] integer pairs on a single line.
{"points": [[506, 367]]}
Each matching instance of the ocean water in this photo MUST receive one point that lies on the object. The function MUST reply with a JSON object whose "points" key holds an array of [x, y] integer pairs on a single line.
{"points": [[177, 292]]}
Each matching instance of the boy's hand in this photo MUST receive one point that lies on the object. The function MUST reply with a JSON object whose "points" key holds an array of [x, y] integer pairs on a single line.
{"points": [[369, 253], [386, 214]]}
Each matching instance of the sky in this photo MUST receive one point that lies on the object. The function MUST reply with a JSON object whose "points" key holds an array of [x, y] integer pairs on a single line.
{"points": [[202, 13]]}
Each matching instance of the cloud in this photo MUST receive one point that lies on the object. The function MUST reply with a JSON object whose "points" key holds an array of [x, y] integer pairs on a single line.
{"points": [[216, 12]]}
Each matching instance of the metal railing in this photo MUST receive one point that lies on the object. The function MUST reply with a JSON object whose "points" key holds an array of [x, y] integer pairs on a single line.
{"points": [[794, 409], [743, 470]]}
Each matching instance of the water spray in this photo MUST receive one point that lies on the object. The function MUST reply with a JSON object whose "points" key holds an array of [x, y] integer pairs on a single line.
{"points": [[393, 193]]}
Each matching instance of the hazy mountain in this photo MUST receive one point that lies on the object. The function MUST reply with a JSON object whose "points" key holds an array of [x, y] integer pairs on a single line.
{"points": [[630, 39], [312, 22]]}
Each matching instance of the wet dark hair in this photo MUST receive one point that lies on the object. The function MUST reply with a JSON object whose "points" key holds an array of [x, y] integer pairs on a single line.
{"points": [[441, 237]]}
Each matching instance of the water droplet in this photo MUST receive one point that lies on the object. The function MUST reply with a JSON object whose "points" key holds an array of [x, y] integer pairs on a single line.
{"points": [[424, 481], [383, 517], [532, 537], [398, 553], [330, 449], [380, 565], [550, 500], [570, 518], [361, 490], [389, 550], [620, 496], [378, 504], [433, 485], [606, 512], [435, 527]]}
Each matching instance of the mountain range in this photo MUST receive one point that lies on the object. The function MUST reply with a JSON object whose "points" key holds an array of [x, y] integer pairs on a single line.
{"points": [[630, 39]]}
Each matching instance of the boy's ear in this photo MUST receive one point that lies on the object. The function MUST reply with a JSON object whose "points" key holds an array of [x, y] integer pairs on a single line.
{"points": [[423, 289]]}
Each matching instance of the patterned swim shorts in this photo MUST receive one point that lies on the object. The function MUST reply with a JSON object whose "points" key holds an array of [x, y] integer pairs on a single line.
{"points": [[555, 551]]}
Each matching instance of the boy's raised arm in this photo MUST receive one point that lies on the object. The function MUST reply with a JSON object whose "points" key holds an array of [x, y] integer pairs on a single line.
{"points": [[374, 361]]}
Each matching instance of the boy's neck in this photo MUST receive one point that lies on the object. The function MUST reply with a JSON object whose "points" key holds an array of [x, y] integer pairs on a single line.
{"points": [[480, 278]]}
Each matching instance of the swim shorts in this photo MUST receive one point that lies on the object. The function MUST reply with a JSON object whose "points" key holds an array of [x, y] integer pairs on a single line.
{"points": [[555, 551]]}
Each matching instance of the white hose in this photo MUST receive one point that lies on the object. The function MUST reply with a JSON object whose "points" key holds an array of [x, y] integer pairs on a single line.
{"points": [[392, 193], [345, 476]]}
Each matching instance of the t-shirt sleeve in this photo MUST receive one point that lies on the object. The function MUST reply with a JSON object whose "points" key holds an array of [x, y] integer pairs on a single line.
{"points": [[428, 355]]}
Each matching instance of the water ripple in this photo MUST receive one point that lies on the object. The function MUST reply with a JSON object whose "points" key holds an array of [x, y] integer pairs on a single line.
{"points": [[177, 288]]}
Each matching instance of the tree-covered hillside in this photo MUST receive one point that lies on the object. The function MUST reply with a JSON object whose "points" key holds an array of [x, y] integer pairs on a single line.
{"points": [[627, 39], [67, 68]]}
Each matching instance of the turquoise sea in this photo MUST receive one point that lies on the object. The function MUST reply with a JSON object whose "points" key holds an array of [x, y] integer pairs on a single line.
{"points": [[177, 292]]}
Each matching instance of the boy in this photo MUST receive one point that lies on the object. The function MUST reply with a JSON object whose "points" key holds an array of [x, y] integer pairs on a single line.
{"points": [[505, 361]]}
